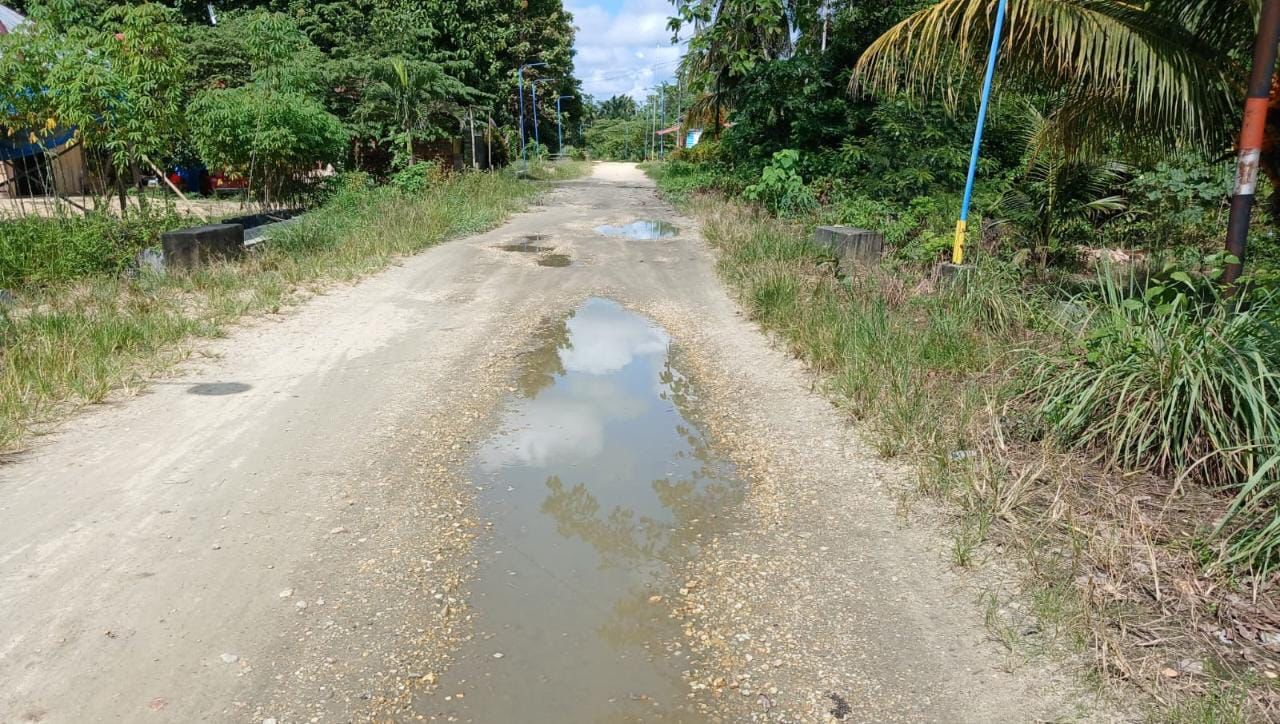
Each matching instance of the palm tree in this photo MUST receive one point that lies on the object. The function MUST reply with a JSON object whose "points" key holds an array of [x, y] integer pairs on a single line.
{"points": [[1168, 71], [730, 38], [410, 96]]}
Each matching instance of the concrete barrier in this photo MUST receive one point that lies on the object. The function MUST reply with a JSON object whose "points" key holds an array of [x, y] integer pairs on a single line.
{"points": [[189, 248], [853, 247]]}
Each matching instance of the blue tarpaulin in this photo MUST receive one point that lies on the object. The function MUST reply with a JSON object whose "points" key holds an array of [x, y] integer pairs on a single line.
{"points": [[19, 144]]}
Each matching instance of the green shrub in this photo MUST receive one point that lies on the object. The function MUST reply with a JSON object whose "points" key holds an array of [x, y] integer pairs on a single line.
{"points": [[418, 178], [1170, 377], [39, 250], [781, 188]]}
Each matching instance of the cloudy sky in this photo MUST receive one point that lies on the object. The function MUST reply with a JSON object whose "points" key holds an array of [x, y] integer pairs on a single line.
{"points": [[623, 46]]}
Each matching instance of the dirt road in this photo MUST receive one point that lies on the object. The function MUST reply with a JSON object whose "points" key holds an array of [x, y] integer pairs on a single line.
{"points": [[288, 529]]}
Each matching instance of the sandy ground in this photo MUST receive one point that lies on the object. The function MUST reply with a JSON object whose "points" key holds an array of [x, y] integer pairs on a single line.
{"points": [[210, 208], [296, 546]]}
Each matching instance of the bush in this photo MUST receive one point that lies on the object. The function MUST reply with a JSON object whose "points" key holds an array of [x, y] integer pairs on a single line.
{"points": [[271, 137], [418, 178], [39, 250], [574, 153], [1171, 378], [781, 187]]}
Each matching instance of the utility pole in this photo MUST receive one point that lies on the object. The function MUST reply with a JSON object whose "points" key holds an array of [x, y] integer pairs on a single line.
{"points": [[520, 90], [653, 138], [559, 127], [471, 119], [825, 10], [662, 100], [1251, 135], [962, 226], [533, 84]]}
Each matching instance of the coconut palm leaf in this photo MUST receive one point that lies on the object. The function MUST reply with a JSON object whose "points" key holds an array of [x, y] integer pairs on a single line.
{"points": [[1161, 65]]}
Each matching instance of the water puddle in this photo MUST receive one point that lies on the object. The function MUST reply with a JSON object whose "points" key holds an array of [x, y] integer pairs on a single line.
{"points": [[525, 246], [645, 229], [556, 260], [597, 486]]}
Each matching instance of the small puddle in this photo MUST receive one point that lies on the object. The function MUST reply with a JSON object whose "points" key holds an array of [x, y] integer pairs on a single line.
{"points": [[556, 260], [597, 486], [526, 246], [644, 229]]}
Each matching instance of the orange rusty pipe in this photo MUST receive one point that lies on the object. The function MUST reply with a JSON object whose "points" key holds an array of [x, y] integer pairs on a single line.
{"points": [[1252, 134]]}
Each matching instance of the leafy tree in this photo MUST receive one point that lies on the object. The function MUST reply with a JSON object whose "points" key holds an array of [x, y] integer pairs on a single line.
{"points": [[618, 139], [1162, 70], [274, 126], [119, 82], [269, 137], [408, 100]]}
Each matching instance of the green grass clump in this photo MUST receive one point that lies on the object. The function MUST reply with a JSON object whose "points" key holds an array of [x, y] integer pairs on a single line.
{"points": [[73, 337], [1174, 379], [42, 250]]}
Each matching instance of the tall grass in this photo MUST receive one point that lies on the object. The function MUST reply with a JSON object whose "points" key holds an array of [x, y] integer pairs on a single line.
{"points": [[896, 358], [73, 341], [1176, 380], [42, 250]]}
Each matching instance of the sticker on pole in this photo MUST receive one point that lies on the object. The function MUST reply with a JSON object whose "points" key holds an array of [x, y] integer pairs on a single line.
{"points": [[1247, 173]]}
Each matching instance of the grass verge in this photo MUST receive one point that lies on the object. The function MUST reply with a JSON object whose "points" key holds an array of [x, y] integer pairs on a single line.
{"points": [[72, 342], [1121, 565]]}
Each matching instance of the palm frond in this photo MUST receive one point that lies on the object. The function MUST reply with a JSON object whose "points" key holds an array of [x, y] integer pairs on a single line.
{"points": [[1162, 74]]}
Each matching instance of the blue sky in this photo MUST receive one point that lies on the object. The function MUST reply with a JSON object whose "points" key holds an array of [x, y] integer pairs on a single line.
{"points": [[623, 46]]}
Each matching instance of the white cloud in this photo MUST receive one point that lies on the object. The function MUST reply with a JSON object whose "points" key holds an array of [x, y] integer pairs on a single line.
{"points": [[624, 51], [604, 344]]}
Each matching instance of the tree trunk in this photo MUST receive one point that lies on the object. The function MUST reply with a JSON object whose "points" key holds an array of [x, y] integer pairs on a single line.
{"points": [[124, 203]]}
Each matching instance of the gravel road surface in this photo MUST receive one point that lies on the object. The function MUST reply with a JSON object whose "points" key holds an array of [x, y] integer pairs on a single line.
{"points": [[283, 529]]}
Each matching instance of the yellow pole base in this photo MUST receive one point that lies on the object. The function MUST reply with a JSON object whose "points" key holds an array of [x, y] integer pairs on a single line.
{"points": [[957, 247]]}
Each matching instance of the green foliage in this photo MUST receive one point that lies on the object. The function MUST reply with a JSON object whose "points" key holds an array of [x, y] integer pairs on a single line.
{"points": [[37, 250], [618, 108], [1175, 203], [411, 101], [269, 137], [618, 139], [1170, 377], [574, 153], [119, 81], [418, 178], [780, 187]]}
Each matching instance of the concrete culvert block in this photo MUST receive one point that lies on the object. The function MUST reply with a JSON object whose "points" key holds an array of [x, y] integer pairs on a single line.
{"points": [[851, 246], [189, 248]]}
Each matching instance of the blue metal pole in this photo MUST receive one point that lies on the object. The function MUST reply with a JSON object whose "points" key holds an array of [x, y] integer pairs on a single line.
{"points": [[559, 127], [962, 226], [520, 90], [533, 85], [520, 87]]}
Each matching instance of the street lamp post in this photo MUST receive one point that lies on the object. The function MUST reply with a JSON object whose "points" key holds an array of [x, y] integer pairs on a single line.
{"points": [[533, 84], [520, 90], [559, 127]]}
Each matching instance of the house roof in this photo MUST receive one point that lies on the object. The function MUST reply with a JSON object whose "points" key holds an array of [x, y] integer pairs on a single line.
{"points": [[9, 19]]}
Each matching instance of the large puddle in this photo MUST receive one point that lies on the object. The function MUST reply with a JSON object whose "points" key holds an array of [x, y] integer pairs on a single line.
{"points": [[597, 486], [645, 229]]}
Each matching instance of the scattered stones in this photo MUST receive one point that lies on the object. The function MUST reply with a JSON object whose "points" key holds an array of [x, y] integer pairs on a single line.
{"points": [[229, 658], [286, 593]]}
